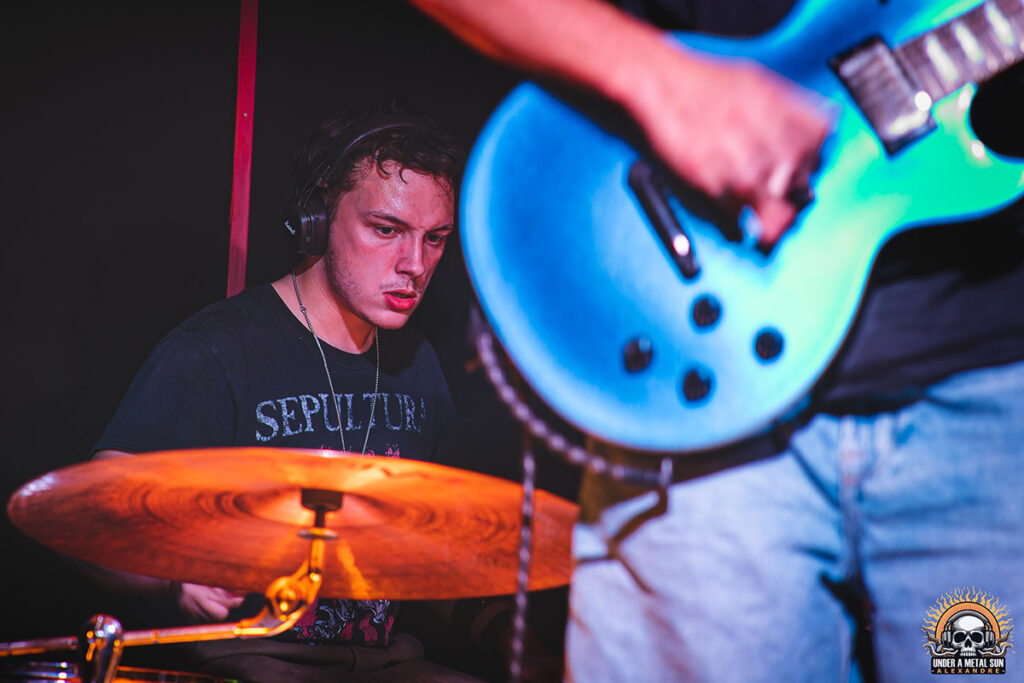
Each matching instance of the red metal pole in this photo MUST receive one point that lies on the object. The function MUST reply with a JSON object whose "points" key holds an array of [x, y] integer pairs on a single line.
{"points": [[238, 244]]}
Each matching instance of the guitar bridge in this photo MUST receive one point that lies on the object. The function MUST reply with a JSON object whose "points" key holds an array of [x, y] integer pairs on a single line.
{"points": [[897, 108]]}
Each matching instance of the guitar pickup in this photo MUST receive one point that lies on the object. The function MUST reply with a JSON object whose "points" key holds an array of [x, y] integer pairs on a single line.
{"points": [[897, 108]]}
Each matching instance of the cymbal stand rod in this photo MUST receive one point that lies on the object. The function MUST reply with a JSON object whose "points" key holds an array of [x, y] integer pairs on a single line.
{"points": [[38, 646], [287, 599]]}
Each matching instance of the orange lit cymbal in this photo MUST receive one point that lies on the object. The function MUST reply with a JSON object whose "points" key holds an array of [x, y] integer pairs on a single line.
{"points": [[231, 517]]}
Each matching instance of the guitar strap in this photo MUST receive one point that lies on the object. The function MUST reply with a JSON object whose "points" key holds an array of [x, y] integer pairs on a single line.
{"points": [[538, 428]]}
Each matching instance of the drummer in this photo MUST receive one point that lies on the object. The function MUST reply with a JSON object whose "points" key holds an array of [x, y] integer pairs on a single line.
{"points": [[320, 358]]}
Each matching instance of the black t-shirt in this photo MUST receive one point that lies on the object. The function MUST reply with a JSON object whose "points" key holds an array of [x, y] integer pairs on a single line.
{"points": [[940, 299], [246, 372]]}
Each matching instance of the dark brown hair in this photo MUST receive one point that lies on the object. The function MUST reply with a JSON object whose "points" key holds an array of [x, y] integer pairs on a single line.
{"points": [[332, 156]]}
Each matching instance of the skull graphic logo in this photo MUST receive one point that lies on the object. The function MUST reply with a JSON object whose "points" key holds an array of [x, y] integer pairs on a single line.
{"points": [[968, 634]]}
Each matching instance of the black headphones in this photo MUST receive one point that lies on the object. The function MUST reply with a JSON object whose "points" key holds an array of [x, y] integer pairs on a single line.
{"points": [[307, 215]]}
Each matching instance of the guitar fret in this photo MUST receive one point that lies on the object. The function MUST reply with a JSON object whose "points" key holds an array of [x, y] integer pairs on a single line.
{"points": [[972, 47], [1001, 27], [995, 35], [1013, 11], [916, 62], [945, 65], [996, 56], [974, 28], [952, 36], [1007, 17], [968, 43]]}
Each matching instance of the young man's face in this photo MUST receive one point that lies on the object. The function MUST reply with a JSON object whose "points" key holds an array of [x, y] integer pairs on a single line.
{"points": [[385, 241]]}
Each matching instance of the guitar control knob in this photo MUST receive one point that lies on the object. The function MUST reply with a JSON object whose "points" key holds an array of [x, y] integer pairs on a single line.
{"points": [[768, 344], [706, 311], [697, 383], [638, 354]]}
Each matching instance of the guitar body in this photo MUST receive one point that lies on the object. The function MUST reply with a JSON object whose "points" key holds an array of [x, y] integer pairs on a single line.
{"points": [[570, 271]]}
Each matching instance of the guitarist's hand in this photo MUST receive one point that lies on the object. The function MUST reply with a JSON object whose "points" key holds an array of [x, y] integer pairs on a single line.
{"points": [[733, 130], [749, 139]]}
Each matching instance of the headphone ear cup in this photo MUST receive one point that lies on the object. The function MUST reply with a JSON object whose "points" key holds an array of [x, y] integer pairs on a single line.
{"points": [[308, 223], [947, 638], [990, 637]]}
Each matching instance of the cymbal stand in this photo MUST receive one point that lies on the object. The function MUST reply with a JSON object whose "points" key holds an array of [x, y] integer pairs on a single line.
{"points": [[102, 640]]}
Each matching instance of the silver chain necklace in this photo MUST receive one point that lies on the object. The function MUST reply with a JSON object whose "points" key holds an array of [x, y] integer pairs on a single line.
{"points": [[327, 371]]}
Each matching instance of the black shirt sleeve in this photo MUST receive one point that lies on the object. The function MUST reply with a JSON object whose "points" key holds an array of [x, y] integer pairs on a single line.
{"points": [[179, 399]]}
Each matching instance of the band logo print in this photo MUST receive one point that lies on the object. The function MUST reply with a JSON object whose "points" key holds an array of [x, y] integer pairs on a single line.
{"points": [[968, 632]]}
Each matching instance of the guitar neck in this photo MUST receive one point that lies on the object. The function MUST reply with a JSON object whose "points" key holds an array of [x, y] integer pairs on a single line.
{"points": [[968, 49]]}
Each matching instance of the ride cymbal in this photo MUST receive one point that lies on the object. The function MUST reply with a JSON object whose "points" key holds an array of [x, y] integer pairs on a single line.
{"points": [[232, 517]]}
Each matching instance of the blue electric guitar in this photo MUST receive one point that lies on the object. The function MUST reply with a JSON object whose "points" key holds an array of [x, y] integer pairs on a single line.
{"points": [[567, 230]]}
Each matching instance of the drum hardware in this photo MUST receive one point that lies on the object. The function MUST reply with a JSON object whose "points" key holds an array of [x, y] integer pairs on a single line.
{"points": [[68, 672], [411, 530], [102, 640], [100, 644]]}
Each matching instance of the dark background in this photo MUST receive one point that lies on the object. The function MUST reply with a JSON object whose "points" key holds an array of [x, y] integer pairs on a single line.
{"points": [[117, 129], [116, 135]]}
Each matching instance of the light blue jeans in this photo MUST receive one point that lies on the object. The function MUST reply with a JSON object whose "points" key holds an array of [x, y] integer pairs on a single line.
{"points": [[740, 574]]}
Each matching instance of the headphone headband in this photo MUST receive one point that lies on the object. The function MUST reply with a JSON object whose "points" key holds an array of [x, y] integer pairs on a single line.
{"points": [[346, 142]]}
